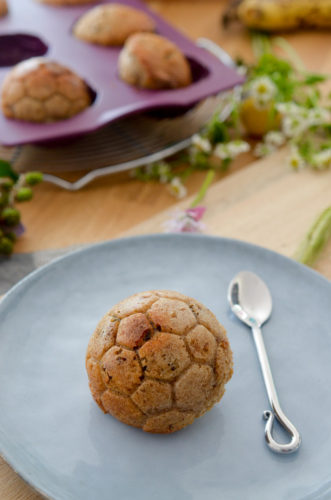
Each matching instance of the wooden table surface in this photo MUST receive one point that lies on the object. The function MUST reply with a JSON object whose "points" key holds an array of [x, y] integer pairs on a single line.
{"points": [[109, 206], [264, 202]]}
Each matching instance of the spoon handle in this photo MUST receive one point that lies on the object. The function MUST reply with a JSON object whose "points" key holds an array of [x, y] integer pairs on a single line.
{"points": [[277, 412]]}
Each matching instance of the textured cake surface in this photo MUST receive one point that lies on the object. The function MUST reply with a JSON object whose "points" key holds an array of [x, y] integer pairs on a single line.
{"points": [[112, 24], [158, 360], [151, 61], [41, 90]]}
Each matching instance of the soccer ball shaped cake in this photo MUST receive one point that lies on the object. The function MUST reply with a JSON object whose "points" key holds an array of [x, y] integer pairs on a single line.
{"points": [[158, 360], [42, 90]]}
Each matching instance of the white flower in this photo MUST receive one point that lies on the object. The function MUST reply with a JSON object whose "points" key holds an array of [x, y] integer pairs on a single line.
{"points": [[263, 89], [292, 109], [242, 70], [286, 108], [235, 148], [318, 116], [274, 138], [230, 150], [263, 149], [297, 119], [177, 188], [272, 141], [188, 221], [222, 151], [295, 160], [201, 143], [289, 108], [293, 127], [322, 160]]}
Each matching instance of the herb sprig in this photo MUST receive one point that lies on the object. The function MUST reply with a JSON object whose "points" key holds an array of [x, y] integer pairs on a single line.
{"points": [[14, 188]]}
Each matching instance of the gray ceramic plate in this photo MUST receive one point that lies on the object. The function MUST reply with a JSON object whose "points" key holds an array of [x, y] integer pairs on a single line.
{"points": [[56, 437]]}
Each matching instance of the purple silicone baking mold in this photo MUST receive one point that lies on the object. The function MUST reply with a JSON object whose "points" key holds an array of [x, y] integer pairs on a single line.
{"points": [[32, 28]]}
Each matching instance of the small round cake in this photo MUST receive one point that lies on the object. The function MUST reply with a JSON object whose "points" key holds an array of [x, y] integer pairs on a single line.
{"points": [[3, 8], [40, 90], [151, 61], [112, 24], [158, 360]]}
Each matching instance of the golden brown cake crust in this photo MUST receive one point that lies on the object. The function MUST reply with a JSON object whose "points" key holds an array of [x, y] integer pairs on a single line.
{"points": [[3, 8], [40, 90], [112, 24], [151, 61], [158, 360]]}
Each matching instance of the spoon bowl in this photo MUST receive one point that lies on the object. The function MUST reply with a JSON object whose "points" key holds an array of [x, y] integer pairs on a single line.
{"points": [[250, 299]]}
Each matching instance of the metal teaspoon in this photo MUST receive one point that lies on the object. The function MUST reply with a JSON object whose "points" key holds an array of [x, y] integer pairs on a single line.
{"points": [[251, 302]]}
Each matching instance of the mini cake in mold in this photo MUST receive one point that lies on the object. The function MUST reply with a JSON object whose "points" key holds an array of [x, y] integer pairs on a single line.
{"points": [[112, 24], [151, 61], [40, 90]]}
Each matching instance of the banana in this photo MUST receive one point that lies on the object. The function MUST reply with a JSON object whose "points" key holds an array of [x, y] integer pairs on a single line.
{"points": [[275, 15]]}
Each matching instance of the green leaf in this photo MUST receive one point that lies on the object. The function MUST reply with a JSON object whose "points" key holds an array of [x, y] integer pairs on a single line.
{"points": [[306, 149], [280, 72], [314, 78], [217, 131], [315, 240], [6, 170], [312, 99], [327, 129], [200, 160]]}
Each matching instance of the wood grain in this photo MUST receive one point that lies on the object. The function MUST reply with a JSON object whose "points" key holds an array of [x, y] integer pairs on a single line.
{"points": [[267, 204], [264, 203], [58, 218]]}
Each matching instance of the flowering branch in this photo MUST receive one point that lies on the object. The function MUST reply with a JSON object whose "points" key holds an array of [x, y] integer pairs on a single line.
{"points": [[280, 104]]}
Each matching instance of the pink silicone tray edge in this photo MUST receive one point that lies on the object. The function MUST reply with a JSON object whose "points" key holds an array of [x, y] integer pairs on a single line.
{"points": [[98, 66]]}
